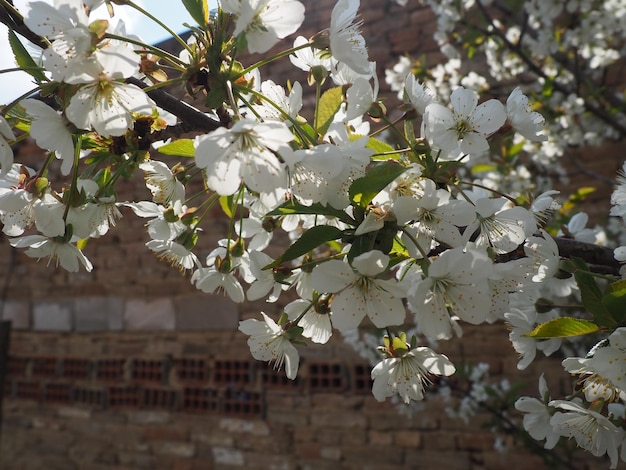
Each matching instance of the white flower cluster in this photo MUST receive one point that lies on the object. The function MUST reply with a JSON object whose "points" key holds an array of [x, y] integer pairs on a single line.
{"points": [[379, 230]]}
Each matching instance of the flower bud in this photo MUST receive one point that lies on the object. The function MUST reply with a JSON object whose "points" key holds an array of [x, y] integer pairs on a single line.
{"points": [[320, 41], [189, 217], [238, 248], [170, 216], [40, 186]]}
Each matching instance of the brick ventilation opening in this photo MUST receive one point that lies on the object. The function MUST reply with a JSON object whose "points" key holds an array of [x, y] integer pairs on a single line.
{"points": [[160, 398], [231, 373], [57, 393], [326, 377], [89, 396], [123, 397], [362, 378], [110, 369], [17, 366], [192, 370], [7, 392], [45, 366], [200, 399], [76, 368], [27, 390], [278, 379], [148, 371], [146, 383], [242, 403]]}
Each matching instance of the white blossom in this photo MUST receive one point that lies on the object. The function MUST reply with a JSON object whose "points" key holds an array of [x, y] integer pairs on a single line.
{"points": [[50, 132], [245, 153], [347, 45], [163, 185], [104, 102], [591, 430], [66, 255], [464, 128], [406, 375], [359, 291], [537, 416], [604, 370], [316, 324], [524, 120], [6, 153], [264, 22], [457, 284], [269, 342]]}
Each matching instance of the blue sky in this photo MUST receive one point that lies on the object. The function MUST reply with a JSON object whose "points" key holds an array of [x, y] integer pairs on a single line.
{"points": [[170, 12]]}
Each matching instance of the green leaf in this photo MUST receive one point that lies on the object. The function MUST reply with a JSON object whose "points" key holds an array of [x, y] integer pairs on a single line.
{"points": [[24, 60], [379, 147], [614, 300], [398, 249], [226, 203], [327, 108], [198, 10], [179, 148], [308, 241], [294, 207], [591, 295], [483, 167], [514, 150], [364, 189], [360, 245], [563, 327]]}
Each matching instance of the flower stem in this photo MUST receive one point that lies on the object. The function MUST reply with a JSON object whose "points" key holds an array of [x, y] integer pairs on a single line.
{"points": [[8, 107], [160, 23], [271, 59], [74, 183], [416, 243], [175, 61]]}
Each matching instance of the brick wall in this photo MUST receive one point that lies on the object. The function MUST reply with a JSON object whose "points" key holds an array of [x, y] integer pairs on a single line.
{"points": [[196, 400], [131, 367]]}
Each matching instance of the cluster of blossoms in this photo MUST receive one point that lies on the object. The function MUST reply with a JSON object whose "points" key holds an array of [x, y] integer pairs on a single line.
{"points": [[517, 43], [387, 233]]}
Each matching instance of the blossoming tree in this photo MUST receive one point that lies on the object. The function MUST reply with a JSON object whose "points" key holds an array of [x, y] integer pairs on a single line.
{"points": [[421, 219]]}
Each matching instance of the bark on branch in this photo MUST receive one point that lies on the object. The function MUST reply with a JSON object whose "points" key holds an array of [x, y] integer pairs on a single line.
{"points": [[599, 258], [192, 119]]}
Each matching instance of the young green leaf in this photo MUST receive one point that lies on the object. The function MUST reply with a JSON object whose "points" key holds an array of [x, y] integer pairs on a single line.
{"points": [[563, 327], [379, 147], [24, 60], [226, 203], [309, 240], [591, 295], [179, 148], [327, 108], [364, 189], [294, 207], [198, 10], [614, 299]]}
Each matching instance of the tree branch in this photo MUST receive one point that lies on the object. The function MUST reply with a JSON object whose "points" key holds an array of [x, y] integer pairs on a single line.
{"points": [[16, 23], [192, 119], [597, 111], [599, 257]]}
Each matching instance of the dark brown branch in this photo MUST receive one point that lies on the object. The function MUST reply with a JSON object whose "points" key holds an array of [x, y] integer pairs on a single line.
{"points": [[192, 119], [15, 23], [599, 257]]}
